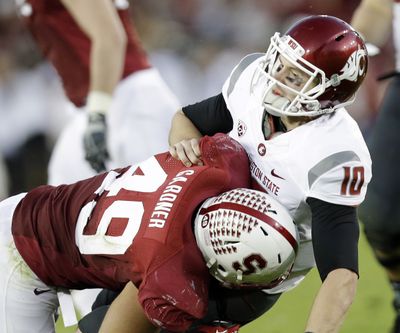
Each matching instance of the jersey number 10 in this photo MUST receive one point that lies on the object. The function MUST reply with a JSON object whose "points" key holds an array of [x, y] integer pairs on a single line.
{"points": [[353, 180]]}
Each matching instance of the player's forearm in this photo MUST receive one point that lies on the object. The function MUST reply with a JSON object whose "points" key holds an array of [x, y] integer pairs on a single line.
{"points": [[125, 314], [107, 62], [182, 128], [332, 302], [373, 19], [99, 20]]}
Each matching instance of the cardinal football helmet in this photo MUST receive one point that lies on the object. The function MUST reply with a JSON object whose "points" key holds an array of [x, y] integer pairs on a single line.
{"points": [[247, 239], [331, 57]]}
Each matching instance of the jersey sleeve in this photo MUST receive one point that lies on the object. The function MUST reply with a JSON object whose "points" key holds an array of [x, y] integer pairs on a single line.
{"points": [[233, 78], [175, 294], [162, 313], [210, 116], [342, 184]]}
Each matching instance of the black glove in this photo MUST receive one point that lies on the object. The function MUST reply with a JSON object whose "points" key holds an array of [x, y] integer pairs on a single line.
{"points": [[95, 141]]}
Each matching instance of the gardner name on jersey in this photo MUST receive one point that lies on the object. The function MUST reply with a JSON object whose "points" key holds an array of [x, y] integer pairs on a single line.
{"points": [[131, 224]]}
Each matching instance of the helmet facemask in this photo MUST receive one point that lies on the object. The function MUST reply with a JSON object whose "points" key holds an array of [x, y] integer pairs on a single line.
{"points": [[302, 101]]}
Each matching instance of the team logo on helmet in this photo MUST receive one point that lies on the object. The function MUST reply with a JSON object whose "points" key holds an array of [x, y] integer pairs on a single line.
{"points": [[294, 46], [205, 220], [355, 65], [241, 128]]}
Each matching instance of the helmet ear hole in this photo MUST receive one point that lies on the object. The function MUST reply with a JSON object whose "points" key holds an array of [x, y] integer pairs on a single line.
{"points": [[221, 268], [339, 38]]}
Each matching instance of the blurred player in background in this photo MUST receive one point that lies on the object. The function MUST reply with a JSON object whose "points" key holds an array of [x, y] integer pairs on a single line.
{"points": [[104, 70], [380, 213], [157, 225], [124, 105], [286, 107]]}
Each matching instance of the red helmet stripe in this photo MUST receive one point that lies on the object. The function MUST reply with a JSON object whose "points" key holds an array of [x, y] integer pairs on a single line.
{"points": [[257, 214]]}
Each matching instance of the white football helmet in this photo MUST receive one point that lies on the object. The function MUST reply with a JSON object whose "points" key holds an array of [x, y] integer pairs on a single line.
{"points": [[247, 238], [327, 59]]}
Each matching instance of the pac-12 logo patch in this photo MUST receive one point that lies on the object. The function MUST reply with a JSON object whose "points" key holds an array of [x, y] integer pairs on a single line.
{"points": [[241, 128]]}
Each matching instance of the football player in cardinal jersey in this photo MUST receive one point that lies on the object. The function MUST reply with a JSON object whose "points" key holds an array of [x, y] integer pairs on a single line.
{"points": [[286, 108], [157, 228], [378, 213], [95, 49]]}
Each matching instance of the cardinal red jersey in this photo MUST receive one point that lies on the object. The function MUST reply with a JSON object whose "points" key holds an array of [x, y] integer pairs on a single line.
{"points": [[131, 224], [68, 48]]}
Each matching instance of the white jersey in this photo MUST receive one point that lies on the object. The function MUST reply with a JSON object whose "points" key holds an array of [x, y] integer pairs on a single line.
{"points": [[326, 159]]}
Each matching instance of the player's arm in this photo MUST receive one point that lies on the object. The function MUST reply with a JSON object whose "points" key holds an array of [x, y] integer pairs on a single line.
{"points": [[208, 117], [125, 315], [335, 233], [100, 21], [184, 140], [373, 19]]}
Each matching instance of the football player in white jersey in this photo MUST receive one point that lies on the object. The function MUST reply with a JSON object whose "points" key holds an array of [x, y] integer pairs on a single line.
{"points": [[286, 108], [379, 212]]}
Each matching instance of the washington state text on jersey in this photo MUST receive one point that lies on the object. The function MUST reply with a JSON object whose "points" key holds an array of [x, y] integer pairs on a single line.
{"points": [[259, 174]]}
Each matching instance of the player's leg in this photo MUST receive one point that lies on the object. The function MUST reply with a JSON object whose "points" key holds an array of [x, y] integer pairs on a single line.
{"points": [[26, 303], [380, 212], [140, 118]]}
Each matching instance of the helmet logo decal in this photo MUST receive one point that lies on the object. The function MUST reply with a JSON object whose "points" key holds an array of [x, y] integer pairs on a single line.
{"points": [[252, 262], [205, 220], [261, 149], [355, 65], [293, 45]]}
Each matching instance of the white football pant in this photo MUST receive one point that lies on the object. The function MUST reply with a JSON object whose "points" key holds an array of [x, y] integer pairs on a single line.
{"points": [[21, 310]]}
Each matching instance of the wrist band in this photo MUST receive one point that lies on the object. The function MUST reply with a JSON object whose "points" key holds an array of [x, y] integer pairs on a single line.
{"points": [[98, 101]]}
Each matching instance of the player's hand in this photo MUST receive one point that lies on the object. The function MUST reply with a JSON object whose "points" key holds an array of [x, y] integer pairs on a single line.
{"points": [[187, 151], [219, 327], [95, 141]]}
